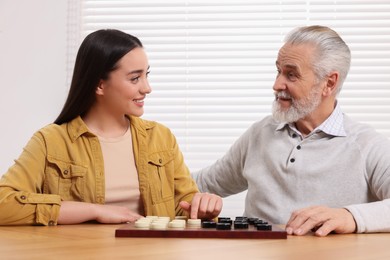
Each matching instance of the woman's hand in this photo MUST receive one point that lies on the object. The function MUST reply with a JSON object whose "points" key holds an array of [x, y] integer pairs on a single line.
{"points": [[73, 212]]}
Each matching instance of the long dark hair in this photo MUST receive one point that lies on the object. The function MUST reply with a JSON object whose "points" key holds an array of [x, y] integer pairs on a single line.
{"points": [[97, 57]]}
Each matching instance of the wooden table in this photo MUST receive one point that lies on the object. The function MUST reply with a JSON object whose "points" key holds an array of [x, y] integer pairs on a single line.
{"points": [[98, 241]]}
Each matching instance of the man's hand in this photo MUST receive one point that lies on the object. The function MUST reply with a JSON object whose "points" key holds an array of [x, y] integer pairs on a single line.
{"points": [[203, 206], [322, 220]]}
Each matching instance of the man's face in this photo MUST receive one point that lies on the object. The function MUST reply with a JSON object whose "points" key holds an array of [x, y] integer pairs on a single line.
{"points": [[297, 89]]}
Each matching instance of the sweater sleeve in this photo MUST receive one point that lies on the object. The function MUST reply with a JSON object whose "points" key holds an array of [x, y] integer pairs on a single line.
{"points": [[21, 189], [374, 216], [371, 217], [225, 176]]}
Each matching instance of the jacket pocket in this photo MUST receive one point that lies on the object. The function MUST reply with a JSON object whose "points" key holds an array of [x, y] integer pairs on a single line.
{"points": [[161, 176], [66, 179]]}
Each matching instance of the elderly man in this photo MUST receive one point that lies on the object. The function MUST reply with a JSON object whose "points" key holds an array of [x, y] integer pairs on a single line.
{"points": [[309, 165]]}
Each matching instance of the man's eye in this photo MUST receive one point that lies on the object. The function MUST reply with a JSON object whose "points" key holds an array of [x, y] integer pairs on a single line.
{"points": [[291, 75]]}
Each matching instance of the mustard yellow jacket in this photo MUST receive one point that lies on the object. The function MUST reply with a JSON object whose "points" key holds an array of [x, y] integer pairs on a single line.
{"points": [[65, 163]]}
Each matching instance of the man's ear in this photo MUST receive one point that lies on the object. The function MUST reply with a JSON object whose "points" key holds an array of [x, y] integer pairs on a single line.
{"points": [[100, 88], [331, 84]]}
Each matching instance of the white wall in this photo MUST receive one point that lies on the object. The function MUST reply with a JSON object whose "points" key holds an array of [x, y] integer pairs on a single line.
{"points": [[32, 70]]}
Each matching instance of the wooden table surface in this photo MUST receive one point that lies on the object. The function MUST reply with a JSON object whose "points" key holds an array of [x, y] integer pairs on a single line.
{"points": [[98, 241]]}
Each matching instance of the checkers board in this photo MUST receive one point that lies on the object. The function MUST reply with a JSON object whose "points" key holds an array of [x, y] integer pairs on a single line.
{"points": [[251, 231]]}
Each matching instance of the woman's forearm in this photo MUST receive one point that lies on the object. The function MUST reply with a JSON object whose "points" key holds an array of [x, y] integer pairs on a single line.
{"points": [[73, 212]]}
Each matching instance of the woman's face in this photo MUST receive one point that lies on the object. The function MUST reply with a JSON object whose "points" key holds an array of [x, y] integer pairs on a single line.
{"points": [[126, 87]]}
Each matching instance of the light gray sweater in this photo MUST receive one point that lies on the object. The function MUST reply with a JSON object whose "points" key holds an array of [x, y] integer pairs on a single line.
{"points": [[283, 172]]}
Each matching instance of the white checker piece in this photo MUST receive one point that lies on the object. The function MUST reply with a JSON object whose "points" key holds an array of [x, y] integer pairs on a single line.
{"points": [[161, 223], [194, 223]]}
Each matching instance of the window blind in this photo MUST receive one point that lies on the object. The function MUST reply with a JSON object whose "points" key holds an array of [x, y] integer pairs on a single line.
{"points": [[213, 62]]}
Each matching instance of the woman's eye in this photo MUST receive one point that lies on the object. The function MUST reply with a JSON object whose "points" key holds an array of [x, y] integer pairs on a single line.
{"points": [[134, 80]]}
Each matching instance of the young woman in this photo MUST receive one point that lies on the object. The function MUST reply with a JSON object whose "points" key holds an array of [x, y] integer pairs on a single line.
{"points": [[99, 161]]}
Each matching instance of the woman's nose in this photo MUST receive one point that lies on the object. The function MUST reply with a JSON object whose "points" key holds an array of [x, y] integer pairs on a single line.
{"points": [[146, 88]]}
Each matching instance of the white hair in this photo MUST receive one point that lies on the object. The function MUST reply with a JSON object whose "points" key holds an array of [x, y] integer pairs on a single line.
{"points": [[331, 52]]}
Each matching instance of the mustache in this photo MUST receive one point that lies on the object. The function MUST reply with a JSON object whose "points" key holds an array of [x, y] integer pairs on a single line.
{"points": [[282, 94]]}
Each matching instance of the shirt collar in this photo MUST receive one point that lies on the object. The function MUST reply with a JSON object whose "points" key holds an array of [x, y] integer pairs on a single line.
{"points": [[333, 125]]}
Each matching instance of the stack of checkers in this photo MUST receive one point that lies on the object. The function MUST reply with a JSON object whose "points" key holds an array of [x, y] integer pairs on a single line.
{"points": [[155, 222], [225, 223]]}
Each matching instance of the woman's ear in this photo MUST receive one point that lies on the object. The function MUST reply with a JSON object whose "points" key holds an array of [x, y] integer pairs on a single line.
{"points": [[100, 88], [331, 84]]}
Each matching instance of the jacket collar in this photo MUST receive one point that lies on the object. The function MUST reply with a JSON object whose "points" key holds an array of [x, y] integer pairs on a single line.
{"points": [[77, 127], [140, 124]]}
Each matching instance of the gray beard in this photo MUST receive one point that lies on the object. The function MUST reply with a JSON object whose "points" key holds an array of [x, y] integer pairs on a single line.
{"points": [[299, 108]]}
